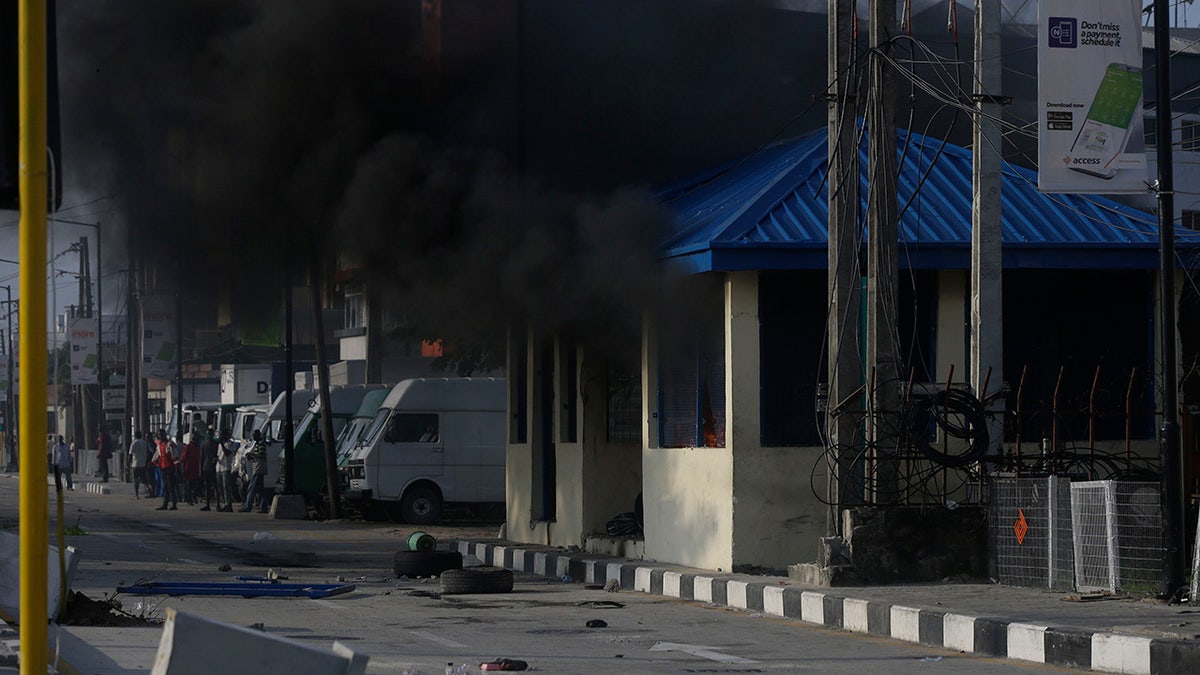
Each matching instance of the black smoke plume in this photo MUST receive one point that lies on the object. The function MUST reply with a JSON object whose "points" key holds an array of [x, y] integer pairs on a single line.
{"points": [[483, 191]]}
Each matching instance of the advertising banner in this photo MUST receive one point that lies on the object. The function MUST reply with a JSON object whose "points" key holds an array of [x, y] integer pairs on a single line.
{"points": [[85, 362], [159, 347], [1090, 136]]}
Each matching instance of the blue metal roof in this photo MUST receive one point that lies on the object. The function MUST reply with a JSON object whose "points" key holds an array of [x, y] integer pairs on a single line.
{"points": [[769, 210]]}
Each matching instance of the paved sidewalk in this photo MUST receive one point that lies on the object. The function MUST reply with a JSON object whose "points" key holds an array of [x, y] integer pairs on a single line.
{"points": [[1117, 635]]}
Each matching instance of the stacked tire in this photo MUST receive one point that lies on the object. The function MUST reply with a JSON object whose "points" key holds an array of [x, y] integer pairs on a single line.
{"points": [[430, 563]]}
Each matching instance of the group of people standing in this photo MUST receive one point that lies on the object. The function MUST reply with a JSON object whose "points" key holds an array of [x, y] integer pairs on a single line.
{"points": [[62, 455], [202, 469]]}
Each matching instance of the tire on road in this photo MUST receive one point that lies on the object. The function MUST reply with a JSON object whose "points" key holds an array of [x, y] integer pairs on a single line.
{"points": [[425, 563], [477, 580]]}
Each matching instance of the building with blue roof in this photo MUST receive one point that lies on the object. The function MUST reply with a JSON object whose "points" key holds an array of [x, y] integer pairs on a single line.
{"points": [[731, 459]]}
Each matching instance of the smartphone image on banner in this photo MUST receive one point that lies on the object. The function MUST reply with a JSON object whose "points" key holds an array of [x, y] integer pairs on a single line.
{"points": [[1104, 132]]}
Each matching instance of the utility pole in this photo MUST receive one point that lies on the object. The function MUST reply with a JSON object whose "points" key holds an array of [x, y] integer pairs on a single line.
{"points": [[845, 360], [882, 266], [987, 295], [85, 310], [9, 407], [1174, 508]]}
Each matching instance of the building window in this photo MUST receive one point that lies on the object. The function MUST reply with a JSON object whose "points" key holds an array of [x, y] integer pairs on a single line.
{"points": [[624, 413], [691, 410], [1189, 135], [791, 310], [1191, 219], [356, 308]]}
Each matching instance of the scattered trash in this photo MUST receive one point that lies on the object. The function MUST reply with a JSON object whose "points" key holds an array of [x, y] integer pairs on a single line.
{"points": [[244, 589], [274, 574], [566, 579], [951, 504], [612, 585], [421, 541], [597, 623], [503, 664], [452, 669], [932, 659], [224, 568], [599, 604], [262, 536]]}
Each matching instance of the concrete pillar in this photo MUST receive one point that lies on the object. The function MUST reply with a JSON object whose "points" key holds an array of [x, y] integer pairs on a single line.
{"points": [[987, 321], [742, 375]]}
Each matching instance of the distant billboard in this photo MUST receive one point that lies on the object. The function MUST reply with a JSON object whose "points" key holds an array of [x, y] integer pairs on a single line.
{"points": [[159, 347], [1090, 136], [85, 361]]}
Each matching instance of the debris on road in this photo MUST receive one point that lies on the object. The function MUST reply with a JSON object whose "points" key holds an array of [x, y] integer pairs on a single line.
{"points": [[597, 623], [504, 664], [244, 589]]}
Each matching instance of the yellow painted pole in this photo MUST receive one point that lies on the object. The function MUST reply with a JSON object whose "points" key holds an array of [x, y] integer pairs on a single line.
{"points": [[31, 100]]}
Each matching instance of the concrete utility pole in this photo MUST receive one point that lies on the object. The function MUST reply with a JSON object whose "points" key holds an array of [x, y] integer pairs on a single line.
{"points": [[845, 301], [883, 375], [1172, 489], [987, 321]]}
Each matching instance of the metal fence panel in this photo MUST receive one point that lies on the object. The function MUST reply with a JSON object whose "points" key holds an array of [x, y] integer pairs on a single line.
{"points": [[1117, 536], [1030, 530]]}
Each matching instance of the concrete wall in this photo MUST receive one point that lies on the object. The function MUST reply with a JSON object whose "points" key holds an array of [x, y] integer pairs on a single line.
{"points": [[594, 480], [778, 517], [688, 491], [689, 506]]}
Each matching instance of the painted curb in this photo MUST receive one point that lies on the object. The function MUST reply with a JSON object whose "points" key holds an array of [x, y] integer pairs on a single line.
{"points": [[992, 636]]}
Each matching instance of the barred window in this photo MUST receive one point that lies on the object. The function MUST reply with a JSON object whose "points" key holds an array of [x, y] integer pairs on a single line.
{"points": [[692, 379]]}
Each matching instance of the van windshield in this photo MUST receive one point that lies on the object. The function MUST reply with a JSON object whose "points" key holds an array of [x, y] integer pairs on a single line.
{"points": [[350, 436], [377, 425]]}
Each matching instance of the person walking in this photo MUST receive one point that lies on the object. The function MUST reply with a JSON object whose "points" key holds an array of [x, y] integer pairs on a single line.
{"points": [[62, 460], [104, 452], [138, 451], [257, 456], [166, 461], [208, 471], [224, 470]]}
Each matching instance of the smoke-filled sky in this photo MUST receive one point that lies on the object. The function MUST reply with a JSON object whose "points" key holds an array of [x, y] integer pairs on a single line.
{"points": [[509, 178]]}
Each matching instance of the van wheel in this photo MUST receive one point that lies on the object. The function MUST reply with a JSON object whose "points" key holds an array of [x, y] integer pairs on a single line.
{"points": [[421, 505]]}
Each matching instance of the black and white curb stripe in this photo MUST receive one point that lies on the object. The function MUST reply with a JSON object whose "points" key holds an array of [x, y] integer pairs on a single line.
{"points": [[992, 636], [97, 488]]}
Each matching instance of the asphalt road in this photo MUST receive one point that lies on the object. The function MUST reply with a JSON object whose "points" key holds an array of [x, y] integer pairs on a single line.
{"points": [[403, 625]]}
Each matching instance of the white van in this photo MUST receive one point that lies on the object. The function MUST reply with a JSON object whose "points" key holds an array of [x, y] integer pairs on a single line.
{"points": [[308, 469], [359, 422], [270, 425], [433, 441], [201, 417]]}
